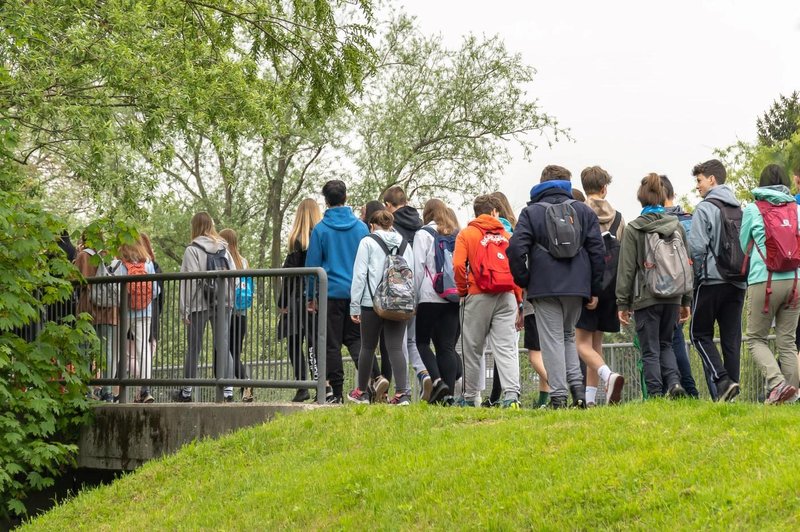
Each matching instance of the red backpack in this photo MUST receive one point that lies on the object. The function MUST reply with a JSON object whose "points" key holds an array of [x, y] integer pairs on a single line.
{"points": [[140, 294], [782, 244], [490, 266]]}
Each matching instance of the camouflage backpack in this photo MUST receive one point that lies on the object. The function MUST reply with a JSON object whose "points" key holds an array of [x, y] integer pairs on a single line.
{"points": [[394, 298]]}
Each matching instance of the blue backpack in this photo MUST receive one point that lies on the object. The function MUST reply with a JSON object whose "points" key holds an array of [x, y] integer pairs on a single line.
{"points": [[244, 293], [443, 279]]}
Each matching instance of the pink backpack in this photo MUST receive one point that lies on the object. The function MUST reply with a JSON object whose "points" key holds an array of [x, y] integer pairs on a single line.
{"points": [[782, 244]]}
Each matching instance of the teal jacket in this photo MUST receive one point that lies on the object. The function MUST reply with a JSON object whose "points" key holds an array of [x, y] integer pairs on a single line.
{"points": [[753, 230]]}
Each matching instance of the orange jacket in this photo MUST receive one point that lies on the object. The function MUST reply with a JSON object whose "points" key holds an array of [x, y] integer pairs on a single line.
{"points": [[467, 243]]}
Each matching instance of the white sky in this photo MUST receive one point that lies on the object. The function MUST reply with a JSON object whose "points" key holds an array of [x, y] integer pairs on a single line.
{"points": [[642, 86]]}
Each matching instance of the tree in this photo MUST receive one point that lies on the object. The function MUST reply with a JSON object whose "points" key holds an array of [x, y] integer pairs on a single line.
{"points": [[438, 120], [781, 121]]}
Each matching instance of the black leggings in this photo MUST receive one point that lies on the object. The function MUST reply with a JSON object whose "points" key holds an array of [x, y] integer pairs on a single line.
{"points": [[439, 322], [236, 333]]}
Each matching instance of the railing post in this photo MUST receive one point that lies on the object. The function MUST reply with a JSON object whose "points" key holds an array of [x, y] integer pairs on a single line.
{"points": [[221, 335], [322, 329], [124, 324]]}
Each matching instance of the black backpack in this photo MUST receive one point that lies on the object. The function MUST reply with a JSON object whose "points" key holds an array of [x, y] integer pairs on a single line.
{"points": [[611, 257], [217, 261], [730, 259], [563, 229]]}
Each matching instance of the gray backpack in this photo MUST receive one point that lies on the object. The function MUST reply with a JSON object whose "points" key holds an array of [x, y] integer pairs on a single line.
{"points": [[667, 270], [563, 229], [394, 298], [105, 295]]}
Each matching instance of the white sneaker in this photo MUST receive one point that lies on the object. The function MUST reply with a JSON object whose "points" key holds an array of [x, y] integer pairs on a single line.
{"points": [[614, 388]]}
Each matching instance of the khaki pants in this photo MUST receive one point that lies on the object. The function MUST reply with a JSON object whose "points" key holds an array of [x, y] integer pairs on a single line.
{"points": [[758, 325]]}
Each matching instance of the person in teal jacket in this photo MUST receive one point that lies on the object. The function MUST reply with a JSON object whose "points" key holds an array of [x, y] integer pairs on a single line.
{"points": [[781, 303]]}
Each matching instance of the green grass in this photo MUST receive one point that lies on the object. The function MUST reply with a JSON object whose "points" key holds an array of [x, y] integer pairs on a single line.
{"points": [[658, 465]]}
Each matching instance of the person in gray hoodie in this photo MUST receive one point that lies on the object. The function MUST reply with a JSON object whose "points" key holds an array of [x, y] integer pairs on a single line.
{"points": [[719, 293]]}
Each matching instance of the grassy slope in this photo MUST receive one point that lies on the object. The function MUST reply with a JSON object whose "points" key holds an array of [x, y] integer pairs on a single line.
{"points": [[657, 465]]}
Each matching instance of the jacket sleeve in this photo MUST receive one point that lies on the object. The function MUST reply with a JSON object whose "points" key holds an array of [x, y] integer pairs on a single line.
{"points": [[460, 256], [518, 249], [699, 235], [313, 260], [746, 231], [686, 300], [626, 270], [422, 248], [596, 249], [190, 263], [359, 284]]}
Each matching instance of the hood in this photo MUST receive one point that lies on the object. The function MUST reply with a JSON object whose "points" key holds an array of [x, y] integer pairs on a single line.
{"points": [[723, 194], [210, 245], [605, 212], [407, 218], [392, 237], [506, 224], [486, 222], [662, 224], [340, 218], [775, 194], [675, 210], [548, 187]]}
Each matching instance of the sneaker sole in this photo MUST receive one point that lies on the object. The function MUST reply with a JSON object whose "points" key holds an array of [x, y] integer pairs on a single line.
{"points": [[363, 401], [615, 384], [788, 393], [730, 394], [381, 389], [427, 388], [442, 392]]}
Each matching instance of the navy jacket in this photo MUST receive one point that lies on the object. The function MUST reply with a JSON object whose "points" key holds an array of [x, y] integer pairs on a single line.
{"points": [[538, 271]]}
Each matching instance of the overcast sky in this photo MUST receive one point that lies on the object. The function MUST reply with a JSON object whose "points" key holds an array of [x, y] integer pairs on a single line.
{"points": [[642, 86]]}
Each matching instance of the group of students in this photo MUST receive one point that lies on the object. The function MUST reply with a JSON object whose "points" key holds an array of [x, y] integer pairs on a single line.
{"points": [[566, 271]]}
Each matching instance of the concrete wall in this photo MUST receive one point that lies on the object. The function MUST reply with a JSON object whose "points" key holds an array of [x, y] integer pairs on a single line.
{"points": [[123, 437]]}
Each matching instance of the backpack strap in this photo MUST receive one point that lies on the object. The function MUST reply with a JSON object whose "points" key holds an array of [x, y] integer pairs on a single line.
{"points": [[381, 243], [615, 224]]}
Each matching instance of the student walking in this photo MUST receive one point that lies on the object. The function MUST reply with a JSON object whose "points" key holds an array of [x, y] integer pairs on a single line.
{"points": [[654, 280], [771, 239], [719, 278]]}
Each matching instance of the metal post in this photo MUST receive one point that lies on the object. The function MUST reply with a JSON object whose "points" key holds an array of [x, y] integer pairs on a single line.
{"points": [[221, 335], [322, 332], [124, 324]]}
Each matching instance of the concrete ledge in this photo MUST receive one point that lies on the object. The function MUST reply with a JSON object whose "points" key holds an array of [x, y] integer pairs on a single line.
{"points": [[123, 437]]}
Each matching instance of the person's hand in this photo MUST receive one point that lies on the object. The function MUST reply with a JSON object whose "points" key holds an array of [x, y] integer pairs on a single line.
{"points": [[592, 304], [356, 319], [685, 313], [284, 310], [624, 317], [520, 324], [312, 306]]}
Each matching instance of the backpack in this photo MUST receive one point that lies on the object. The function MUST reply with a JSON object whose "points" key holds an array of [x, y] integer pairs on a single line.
{"points": [[107, 294], [394, 298], [667, 270], [731, 260], [563, 229], [217, 261], [140, 293], [243, 299], [443, 279], [782, 244], [611, 257], [490, 267]]}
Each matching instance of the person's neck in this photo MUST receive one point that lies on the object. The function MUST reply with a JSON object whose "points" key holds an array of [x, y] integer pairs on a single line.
{"points": [[597, 196], [669, 203]]}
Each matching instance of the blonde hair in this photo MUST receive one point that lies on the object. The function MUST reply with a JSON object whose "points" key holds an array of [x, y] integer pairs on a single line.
{"points": [[435, 210], [148, 246], [307, 216], [230, 236], [203, 225], [454, 219]]}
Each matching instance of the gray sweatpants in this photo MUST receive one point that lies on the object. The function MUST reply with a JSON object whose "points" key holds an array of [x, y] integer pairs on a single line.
{"points": [[194, 332], [493, 316], [556, 318], [410, 351]]}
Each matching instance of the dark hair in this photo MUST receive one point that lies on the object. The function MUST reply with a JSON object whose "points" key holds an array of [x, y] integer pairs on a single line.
{"points": [[485, 205], [395, 196], [371, 208], [383, 219], [552, 172], [593, 179], [669, 190], [651, 191], [578, 195], [335, 192], [774, 174], [713, 167]]}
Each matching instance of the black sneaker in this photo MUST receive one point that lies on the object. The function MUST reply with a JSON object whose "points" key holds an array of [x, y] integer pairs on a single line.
{"points": [[440, 390], [578, 396], [302, 396], [334, 399], [727, 390], [557, 403], [676, 391], [488, 403], [178, 397]]}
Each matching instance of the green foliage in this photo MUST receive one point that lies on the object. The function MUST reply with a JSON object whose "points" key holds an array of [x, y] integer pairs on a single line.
{"points": [[781, 121], [653, 466], [39, 411]]}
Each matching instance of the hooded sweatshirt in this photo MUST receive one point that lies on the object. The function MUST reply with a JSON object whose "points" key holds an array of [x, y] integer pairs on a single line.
{"points": [[704, 236], [369, 267], [632, 290], [425, 266], [407, 222], [534, 267], [333, 245], [753, 230], [194, 260], [605, 215], [467, 243]]}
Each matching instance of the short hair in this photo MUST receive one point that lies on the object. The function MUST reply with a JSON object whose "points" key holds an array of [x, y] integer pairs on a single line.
{"points": [[651, 191], [371, 208], [552, 172], [335, 192], [713, 167], [578, 195], [593, 179], [774, 174], [382, 219], [395, 196], [669, 190], [485, 204]]}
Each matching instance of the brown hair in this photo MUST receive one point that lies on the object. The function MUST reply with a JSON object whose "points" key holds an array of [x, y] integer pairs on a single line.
{"points": [[552, 172], [135, 252], [307, 216], [485, 205], [505, 209], [383, 220], [593, 179], [232, 239], [454, 219], [395, 196], [435, 210], [713, 167], [578, 195], [651, 191], [148, 246], [203, 225]]}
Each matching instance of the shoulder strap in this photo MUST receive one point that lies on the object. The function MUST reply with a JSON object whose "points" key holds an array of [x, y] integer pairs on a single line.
{"points": [[430, 230], [615, 224], [381, 243], [198, 246]]}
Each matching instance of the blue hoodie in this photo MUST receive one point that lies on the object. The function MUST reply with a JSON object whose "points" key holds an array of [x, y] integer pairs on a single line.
{"points": [[333, 245]]}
